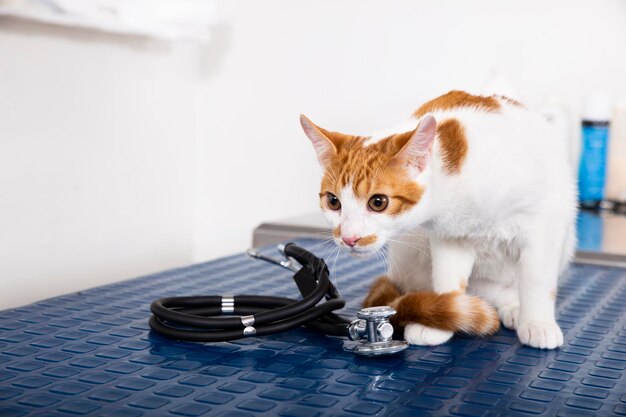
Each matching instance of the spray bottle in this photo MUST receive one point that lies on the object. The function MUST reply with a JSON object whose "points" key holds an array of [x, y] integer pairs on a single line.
{"points": [[593, 158]]}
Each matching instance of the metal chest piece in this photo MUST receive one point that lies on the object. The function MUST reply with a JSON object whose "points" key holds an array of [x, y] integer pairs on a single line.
{"points": [[375, 332]]}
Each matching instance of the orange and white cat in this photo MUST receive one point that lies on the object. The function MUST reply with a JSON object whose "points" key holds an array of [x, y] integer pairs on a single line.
{"points": [[475, 199]]}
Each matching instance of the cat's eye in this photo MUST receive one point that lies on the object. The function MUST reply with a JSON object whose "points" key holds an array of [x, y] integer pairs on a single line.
{"points": [[332, 202], [378, 202]]}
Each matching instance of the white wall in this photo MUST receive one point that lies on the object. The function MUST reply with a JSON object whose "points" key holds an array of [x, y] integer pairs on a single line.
{"points": [[121, 156], [97, 142]]}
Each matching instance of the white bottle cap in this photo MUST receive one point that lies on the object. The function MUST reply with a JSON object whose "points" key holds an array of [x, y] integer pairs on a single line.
{"points": [[597, 108]]}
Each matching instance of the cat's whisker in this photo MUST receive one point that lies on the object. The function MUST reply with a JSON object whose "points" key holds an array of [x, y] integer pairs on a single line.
{"points": [[389, 262], [406, 243], [379, 255], [419, 249], [322, 243], [421, 244], [415, 243], [415, 233], [333, 269], [380, 252], [387, 255]]}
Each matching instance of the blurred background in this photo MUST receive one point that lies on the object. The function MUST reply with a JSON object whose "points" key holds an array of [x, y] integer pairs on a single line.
{"points": [[123, 154]]}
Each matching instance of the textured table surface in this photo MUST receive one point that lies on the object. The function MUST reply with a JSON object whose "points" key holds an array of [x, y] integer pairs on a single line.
{"points": [[92, 353]]}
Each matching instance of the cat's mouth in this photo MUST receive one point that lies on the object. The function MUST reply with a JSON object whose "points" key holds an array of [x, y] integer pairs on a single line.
{"points": [[359, 251], [362, 252]]}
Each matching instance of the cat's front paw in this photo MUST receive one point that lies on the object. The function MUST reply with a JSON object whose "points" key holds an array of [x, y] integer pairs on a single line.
{"points": [[509, 315], [540, 334], [418, 334]]}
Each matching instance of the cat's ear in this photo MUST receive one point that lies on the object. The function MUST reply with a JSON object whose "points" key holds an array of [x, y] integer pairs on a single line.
{"points": [[416, 151], [321, 139]]}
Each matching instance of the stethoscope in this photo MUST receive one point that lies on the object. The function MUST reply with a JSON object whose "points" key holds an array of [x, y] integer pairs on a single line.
{"points": [[217, 318]]}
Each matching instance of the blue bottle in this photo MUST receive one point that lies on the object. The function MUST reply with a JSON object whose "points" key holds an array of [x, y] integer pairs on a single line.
{"points": [[593, 158]]}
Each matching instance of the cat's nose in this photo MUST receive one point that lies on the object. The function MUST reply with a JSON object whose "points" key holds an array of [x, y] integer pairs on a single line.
{"points": [[350, 241]]}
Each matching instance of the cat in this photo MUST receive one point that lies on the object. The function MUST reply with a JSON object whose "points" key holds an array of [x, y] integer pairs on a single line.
{"points": [[476, 202]]}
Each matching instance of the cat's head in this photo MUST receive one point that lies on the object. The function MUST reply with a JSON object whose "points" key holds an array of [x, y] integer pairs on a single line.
{"points": [[372, 190]]}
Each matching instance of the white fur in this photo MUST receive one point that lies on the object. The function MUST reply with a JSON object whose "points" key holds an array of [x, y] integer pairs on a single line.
{"points": [[505, 222], [418, 334]]}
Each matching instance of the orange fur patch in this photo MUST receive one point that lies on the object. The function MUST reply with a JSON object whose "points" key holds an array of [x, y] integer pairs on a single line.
{"points": [[441, 311], [382, 293], [366, 240], [453, 145], [337, 231], [449, 311], [458, 99], [463, 286]]}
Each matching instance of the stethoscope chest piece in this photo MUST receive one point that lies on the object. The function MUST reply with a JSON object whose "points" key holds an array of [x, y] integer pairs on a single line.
{"points": [[373, 329]]}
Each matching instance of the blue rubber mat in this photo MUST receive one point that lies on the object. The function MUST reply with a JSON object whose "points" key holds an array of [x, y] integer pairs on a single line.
{"points": [[92, 353]]}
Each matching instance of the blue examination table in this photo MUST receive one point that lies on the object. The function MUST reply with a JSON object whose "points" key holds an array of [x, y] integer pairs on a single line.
{"points": [[92, 353]]}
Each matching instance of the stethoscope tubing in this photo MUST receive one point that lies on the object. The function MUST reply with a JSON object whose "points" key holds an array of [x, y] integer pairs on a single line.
{"points": [[201, 319]]}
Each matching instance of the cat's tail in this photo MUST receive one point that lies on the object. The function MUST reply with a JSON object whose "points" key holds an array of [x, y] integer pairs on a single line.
{"points": [[454, 311]]}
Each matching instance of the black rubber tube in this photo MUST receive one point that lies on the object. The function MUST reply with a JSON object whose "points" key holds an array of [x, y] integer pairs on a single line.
{"points": [[200, 319]]}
